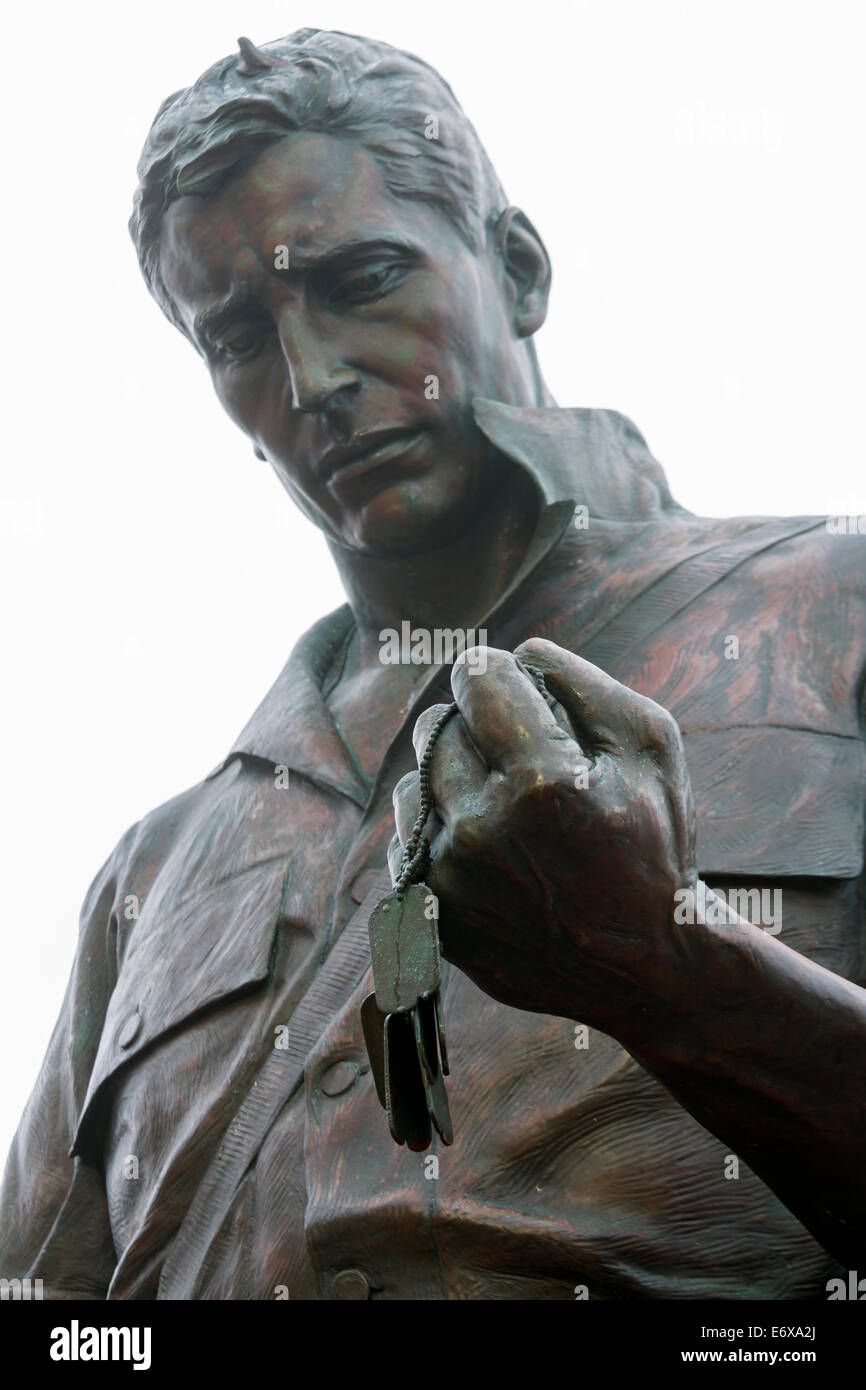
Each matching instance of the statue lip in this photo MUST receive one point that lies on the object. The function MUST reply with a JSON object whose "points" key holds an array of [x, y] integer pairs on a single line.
{"points": [[367, 446]]}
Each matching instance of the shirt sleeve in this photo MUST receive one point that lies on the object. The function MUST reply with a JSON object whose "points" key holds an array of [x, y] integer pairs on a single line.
{"points": [[53, 1212]]}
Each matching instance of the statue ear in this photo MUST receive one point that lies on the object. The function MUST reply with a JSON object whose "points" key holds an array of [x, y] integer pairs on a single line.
{"points": [[527, 268], [258, 453]]}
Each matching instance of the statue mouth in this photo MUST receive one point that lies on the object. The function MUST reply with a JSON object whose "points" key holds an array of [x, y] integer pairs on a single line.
{"points": [[368, 450]]}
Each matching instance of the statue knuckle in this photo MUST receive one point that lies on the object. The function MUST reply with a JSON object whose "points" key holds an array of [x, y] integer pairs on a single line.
{"points": [[658, 732], [405, 788], [468, 836], [541, 791], [424, 723]]}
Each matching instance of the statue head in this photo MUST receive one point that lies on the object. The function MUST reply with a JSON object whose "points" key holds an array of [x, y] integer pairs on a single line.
{"points": [[320, 219]]}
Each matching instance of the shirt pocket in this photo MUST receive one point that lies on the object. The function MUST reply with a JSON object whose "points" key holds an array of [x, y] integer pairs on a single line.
{"points": [[780, 818], [180, 963], [778, 802]]}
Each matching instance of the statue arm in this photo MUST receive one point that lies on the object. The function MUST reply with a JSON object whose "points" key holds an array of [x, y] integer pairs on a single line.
{"points": [[771, 1059], [558, 863], [53, 1212]]}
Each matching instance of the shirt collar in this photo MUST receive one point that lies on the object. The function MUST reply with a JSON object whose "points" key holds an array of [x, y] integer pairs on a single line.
{"points": [[596, 458], [593, 458]]}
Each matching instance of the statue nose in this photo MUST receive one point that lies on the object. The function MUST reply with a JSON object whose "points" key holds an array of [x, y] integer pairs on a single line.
{"points": [[312, 358]]}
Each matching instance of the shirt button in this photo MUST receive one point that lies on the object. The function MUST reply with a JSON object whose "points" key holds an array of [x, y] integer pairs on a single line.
{"points": [[350, 1284], [130, 1030], [339, 1078]]}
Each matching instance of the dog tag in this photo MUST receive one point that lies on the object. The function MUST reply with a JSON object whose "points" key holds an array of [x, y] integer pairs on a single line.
{"points": [[373, 1025], [405, 1097], [404, 947], [426, 1029]]}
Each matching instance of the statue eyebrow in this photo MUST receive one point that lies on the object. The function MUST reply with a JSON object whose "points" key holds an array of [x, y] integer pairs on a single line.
{"points": [[347, 251]]}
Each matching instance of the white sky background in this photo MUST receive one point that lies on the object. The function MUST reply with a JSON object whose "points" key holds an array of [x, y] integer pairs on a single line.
{"points": [[697, 171]]}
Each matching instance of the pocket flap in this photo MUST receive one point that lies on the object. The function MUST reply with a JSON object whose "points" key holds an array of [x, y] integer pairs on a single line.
{"points": [[774, 802], [206, 950]]}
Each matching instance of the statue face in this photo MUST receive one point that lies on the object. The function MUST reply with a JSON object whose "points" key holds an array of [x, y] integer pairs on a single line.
{"points": [[353, 369]]}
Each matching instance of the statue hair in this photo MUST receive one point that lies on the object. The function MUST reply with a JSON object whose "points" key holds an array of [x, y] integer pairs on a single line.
{"points": [[313, 81]]}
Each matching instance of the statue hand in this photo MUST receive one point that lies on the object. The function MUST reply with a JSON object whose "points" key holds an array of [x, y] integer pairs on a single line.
{"points": [[558, 842]]}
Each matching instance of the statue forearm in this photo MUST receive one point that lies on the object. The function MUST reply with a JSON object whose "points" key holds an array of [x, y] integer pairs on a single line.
{"points": [[769, 1053]]}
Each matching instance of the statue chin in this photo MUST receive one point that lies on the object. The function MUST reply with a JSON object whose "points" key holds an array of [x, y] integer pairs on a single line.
{"points": [[411, 517]]}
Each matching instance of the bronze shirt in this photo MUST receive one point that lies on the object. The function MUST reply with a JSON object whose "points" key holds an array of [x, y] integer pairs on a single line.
{"points": [[571, 1167]]}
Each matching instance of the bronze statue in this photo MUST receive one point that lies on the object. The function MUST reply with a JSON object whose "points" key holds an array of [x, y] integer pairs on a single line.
{"points": [[646, 864]]}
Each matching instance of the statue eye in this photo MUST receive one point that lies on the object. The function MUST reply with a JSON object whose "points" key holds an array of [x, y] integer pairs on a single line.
{"points": [[372, 283], [245, 343]]}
